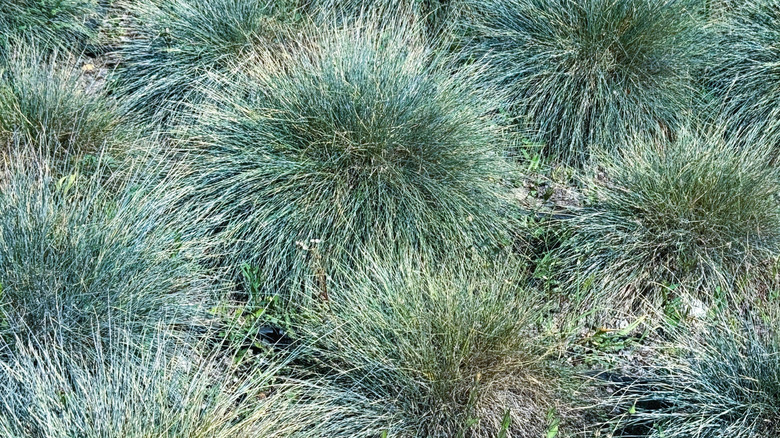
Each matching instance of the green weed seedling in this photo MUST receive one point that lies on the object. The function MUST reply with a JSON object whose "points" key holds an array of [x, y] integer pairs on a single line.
{"points": [[554, 422], [605, 344]]}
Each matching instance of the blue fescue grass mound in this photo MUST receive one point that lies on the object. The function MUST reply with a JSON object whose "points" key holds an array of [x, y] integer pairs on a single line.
{"points": [[437, 351], [698, 214], [174, 45], [722, 383], [355, 138], [589, 72], [44, 100], [50, 23], [746, 69], [436, 15], [163, 389], [78, 259]]}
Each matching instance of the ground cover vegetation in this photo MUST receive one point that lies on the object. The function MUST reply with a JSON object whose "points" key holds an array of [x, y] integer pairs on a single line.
{"points": [[747, 74], [590, 73], [172, 46], [355, 139], [468, 370], [77, 259], [436, 16], [289, 218], [43, 100], [53, 23], [720, 383], [693, 216]]}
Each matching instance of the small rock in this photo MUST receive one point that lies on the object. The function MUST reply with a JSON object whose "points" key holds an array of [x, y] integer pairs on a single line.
{"points": [[697, 309], [520, 193]]}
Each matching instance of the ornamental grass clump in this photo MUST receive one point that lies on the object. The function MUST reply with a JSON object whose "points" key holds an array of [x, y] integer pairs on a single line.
{"points": [[435, 14], [746, 70], [173, 46], [722, 384], [696, 217], [44, 99], [78, 258], [163, 390], [49, 23], [354, 139], [589, 72], [438, 352]]}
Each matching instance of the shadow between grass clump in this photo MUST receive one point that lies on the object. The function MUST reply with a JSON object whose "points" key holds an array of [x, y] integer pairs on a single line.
{"points": [[442, 351], [696, 218], [172, 46], [588, 73], [723, 382], [354, 139]]}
